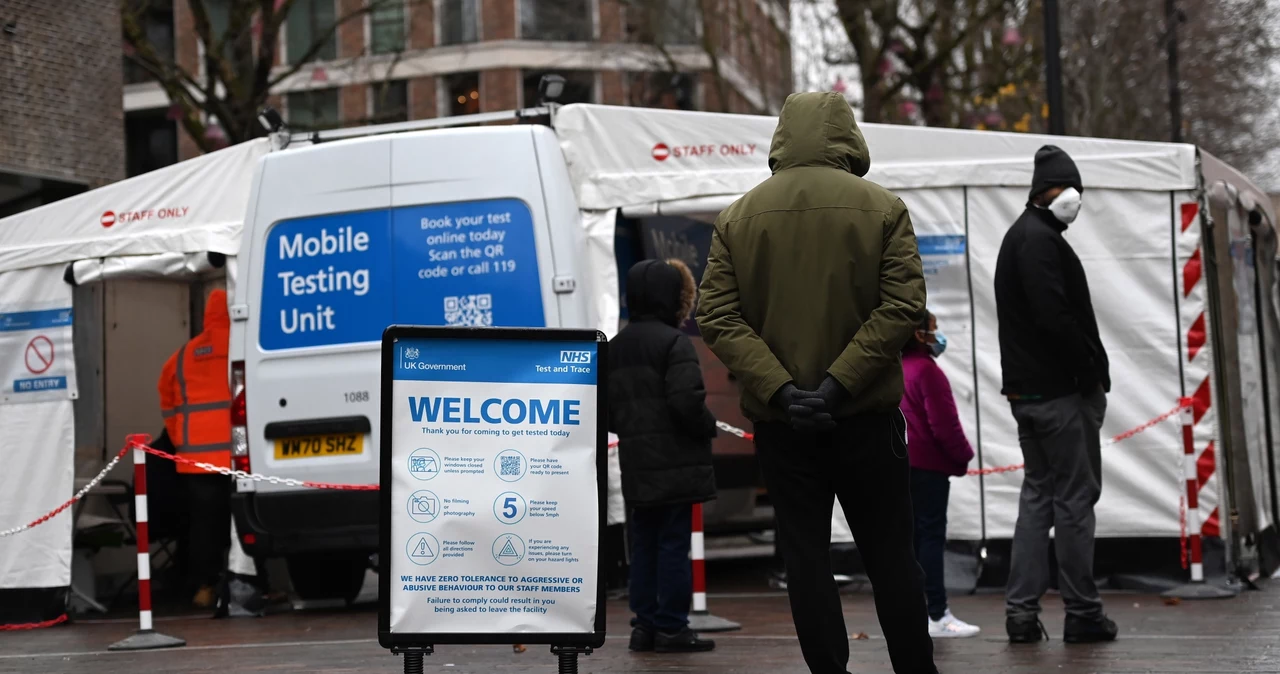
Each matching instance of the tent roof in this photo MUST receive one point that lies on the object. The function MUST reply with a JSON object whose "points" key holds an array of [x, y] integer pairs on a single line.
{"points": [[194, 206], [633, 156]]}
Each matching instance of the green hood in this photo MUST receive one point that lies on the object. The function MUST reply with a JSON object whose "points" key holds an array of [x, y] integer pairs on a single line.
{"points": [[818, 129]]}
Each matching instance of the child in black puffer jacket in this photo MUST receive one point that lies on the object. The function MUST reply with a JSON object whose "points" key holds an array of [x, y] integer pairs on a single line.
{"points": [[657, 407]]}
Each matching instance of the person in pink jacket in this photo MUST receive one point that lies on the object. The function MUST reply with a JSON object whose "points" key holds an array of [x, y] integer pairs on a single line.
{"points": [[937, 449]]}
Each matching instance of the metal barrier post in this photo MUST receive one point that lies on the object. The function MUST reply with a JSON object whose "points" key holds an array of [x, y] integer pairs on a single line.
{"points": [[1197, 588], [145, 638], [700, 620]]}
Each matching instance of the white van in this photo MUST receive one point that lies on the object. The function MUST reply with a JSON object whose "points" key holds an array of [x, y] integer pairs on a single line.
{"points": [[456, 226]]}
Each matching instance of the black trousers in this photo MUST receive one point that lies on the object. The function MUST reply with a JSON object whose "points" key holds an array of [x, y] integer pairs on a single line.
{"points": [[930, 492], [864, 462], [209, 508]]}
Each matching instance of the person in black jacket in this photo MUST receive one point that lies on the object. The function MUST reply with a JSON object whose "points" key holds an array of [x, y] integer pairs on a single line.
{"points": [[1056, 376], [657, 407]]}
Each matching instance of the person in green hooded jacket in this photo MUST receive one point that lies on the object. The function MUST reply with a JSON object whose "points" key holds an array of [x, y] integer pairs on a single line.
{"points": [[813, 284]]}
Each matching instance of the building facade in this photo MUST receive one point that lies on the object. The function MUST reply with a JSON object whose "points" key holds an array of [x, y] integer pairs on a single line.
{"points": [[416, 59], [60, 125]]}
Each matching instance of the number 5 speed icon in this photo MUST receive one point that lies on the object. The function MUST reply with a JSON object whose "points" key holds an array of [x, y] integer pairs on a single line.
{"points": [[509, 507]]}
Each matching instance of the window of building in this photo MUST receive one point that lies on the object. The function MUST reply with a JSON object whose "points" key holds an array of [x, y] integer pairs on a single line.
{"points": [[311, 23], [674, 91], [459, 22], [313, 110], [156, 20], [579, 86], [150, 141], [390, 101], [463, 90], [664, 22], [558, 20], [386, 27]]}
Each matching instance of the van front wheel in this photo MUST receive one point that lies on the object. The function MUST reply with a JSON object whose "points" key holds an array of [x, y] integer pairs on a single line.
{"points": [[328, 575]]}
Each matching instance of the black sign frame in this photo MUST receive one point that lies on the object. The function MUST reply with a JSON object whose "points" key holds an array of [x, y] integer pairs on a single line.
{"points": [[406, 641]]}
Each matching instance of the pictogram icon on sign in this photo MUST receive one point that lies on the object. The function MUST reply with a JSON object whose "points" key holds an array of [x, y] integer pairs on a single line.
{"points": [[661, 152], [108, 218], [39, 354]]}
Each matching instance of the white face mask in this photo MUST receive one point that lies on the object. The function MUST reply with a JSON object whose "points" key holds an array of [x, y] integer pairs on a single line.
{"points": [[1066, 206]]}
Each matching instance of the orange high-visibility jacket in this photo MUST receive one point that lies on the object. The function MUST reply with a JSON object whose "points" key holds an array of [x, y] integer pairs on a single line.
{"points": [[195, 395]]}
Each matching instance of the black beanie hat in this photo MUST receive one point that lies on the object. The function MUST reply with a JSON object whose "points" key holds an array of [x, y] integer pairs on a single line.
{"points": [[1054, 168]]}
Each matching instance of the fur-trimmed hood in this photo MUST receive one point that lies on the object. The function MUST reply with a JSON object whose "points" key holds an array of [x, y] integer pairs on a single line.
{"points": [[661, 289]]}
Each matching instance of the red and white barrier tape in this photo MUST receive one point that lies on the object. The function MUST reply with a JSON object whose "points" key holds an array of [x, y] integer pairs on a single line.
{"points": [[256, 477], [1106, 443], [34, 626], [292, 482], [79, 495]]}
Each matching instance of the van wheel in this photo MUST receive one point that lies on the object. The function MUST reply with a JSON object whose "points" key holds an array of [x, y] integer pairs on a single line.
{"points": [[327, 575]]}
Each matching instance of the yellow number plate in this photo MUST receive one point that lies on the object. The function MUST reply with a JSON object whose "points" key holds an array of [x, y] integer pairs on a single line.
{"points": [[311, 446]]}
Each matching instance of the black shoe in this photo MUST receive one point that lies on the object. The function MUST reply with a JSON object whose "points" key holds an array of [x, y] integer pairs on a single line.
{"points": [[641, 639], [684, 641], [1089, 630], [1027, 630]]}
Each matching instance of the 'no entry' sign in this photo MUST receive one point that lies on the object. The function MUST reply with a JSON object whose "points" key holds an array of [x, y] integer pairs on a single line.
{"points": [[39, 354]]}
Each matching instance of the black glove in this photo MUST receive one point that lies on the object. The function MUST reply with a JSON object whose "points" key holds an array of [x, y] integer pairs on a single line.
{"points": [[806, 410], [832, 393]]}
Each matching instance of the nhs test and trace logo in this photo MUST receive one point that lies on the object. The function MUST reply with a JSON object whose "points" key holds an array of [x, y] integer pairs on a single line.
{"points": [[575, 357]]}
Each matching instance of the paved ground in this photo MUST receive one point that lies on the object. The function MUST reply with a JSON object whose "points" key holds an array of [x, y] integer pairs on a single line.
{"points": [[1240, 635]]}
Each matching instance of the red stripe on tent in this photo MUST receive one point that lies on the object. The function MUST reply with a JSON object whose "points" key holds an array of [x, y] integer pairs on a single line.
{"points": [[1210, 527], [1189, 211], [1205, 465], [1201, 400], [1191, 273], [1195, 337]]}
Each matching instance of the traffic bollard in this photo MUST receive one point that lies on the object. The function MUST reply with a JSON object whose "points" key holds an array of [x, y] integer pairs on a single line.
{"points": [[145, 638], [701, 620]]}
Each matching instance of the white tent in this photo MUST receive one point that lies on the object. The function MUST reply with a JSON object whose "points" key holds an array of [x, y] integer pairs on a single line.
{"points": [[1140, 237], [162, 224]]}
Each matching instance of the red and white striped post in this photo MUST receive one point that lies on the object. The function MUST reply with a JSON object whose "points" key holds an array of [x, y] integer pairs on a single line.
{"points": [[145, 638], [1197, 588], [700, 620], [1193, 491]]}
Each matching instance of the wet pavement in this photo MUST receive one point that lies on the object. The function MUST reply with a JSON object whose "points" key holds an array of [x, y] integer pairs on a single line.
{"points": [[1236, 635]]}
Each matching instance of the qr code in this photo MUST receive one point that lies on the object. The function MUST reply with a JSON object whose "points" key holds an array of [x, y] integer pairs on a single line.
{"points": [[510, 465], [473, 310]]}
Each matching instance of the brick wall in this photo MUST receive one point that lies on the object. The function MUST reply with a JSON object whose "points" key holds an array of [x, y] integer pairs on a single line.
{"points": [[351, 31], [354, 101], [499, 89], [422, 98], [422, 24], [497, 20], [61, 79]]}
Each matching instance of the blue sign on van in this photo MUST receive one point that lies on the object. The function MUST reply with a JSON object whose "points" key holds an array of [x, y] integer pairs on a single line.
{"points": [[343, 278], [471, 263]]}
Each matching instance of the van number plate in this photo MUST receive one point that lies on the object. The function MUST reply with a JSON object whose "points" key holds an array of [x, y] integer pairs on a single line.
{"points": [[311, 446]]}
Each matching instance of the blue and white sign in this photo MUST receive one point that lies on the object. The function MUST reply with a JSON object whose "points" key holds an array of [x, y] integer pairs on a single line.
{"points": [[35, 354], [496, 514], [941, 251], [343, 278]]}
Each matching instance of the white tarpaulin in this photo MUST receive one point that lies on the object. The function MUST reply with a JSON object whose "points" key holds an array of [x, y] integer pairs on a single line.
{"points": [[196, 206], [622, 157], [38, 427], [964, 189]]}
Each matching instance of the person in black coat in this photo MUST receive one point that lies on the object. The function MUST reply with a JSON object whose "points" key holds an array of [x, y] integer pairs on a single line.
{"points": [[657, 407], [1056, 376]]}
